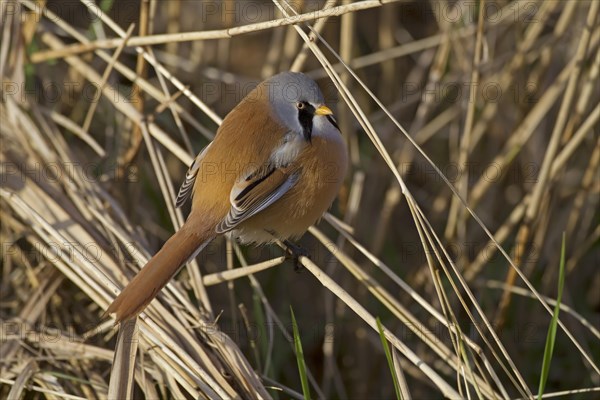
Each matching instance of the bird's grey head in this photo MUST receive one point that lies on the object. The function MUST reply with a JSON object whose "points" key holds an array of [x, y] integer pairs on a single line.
{"points": [[295, 101]]}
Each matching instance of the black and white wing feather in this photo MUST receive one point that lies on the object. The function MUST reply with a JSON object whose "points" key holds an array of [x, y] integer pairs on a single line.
{"points": [[257, 191], [185, 191]]}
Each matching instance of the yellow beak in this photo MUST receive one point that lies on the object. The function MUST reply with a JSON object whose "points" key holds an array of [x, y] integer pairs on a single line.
{"points": [[323, 110]]}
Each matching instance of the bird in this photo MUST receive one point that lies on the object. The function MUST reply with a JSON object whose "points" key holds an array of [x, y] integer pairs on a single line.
{"points": [[275, 165]]}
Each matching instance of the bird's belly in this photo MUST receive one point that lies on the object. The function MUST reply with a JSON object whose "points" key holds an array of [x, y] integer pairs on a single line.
{"points": [[290, 217], [303, 204]]}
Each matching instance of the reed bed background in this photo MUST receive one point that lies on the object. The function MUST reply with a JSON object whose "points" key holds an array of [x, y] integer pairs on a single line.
{"points": [[472, 128]]}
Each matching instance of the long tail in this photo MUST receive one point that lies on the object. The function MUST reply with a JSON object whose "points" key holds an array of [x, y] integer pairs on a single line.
{"points": [[144, 287]]}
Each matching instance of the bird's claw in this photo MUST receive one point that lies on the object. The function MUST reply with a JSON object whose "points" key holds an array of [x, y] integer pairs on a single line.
{"points": [[294, 252]]}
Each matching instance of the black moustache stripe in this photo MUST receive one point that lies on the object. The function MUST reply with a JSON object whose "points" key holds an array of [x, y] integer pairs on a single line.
{"points": [[333, 122], [305, 117]]}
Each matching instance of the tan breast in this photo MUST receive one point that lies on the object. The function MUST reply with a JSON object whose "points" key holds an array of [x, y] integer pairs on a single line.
{"points": [[324, 165]]}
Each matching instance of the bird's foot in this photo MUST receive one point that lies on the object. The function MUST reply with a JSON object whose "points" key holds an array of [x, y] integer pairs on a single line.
{"points": [[295, 252]]}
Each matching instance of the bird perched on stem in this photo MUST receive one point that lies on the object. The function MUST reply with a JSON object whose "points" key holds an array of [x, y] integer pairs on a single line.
{"points": [[275, 166]]}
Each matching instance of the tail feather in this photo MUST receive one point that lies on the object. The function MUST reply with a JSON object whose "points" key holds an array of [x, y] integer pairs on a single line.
{"points": [[144, 287]]}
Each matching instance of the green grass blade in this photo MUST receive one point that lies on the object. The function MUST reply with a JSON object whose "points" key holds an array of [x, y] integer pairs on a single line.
{"points": [[550, 339], [300, 358], [261, 325], [388, 355], [264, 350]]}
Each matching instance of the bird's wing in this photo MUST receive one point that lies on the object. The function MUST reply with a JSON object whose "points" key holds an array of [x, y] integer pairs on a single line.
{"points": [[185, 191], [256, 191]]}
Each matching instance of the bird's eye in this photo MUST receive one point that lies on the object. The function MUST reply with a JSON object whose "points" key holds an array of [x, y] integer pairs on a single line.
{"points": [[300, 105]]}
